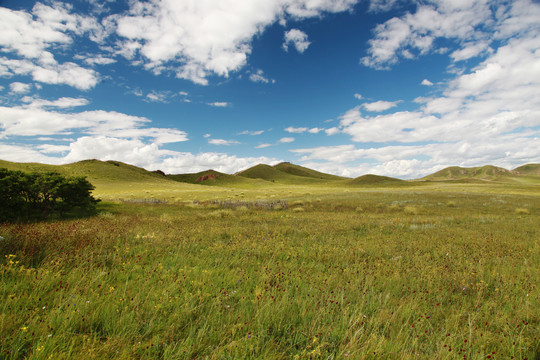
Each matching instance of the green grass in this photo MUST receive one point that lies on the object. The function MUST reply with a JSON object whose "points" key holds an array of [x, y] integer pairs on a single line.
{"points": [[301, 268], [386, 274]]}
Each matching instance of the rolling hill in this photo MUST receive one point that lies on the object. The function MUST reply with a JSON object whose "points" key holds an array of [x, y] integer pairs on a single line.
{"points": [[216, 178], [371, 179], [276, 175], [527, 170], [305, 172]]}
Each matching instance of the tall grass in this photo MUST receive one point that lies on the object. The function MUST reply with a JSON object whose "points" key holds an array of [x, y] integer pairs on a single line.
{"points": [[171, 281]]}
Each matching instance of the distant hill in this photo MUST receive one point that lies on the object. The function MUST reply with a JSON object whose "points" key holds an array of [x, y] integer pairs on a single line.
{"points": [[215, 178], [94, 170], [487, 172], [275, 174], [371, 179], [527, 170], [306, 172], [527, 173]]}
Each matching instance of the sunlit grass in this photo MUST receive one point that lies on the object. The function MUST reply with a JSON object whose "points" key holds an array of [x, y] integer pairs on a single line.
{"points": [[394, 274]]}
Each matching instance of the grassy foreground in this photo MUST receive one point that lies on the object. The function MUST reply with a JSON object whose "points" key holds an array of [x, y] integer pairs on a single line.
{"points": [[408, 274]]}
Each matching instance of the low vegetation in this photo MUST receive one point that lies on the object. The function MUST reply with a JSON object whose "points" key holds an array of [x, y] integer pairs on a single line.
{"points": [[441, 271], [27, 196]]}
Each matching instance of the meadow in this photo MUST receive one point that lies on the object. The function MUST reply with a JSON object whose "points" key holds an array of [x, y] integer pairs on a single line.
{"points": [[430, 271]]}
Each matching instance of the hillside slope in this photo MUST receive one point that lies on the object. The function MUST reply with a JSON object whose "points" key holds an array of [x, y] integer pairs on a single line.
{"points": [[275, 175], [216, 178], [371, 179], [298, 170]]}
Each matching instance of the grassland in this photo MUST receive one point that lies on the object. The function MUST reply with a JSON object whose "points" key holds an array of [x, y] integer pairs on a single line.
{"points": [[422, 270]]}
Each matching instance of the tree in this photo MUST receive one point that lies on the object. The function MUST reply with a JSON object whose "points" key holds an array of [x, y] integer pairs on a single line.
{"points": [[26, 195]]}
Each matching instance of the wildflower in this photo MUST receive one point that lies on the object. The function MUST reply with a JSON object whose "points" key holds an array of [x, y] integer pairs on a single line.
{"points": [[24, 328]]}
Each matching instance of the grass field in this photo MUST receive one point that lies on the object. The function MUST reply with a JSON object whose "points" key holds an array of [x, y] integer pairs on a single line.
{"points": [[416, 271]]}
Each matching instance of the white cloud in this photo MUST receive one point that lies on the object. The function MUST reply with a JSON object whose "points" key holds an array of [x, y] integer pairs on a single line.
{"points": [[415, 33], [222, 142], [297, 38], [63, 103], [262, 146], [200, 38], [300, 130], [426, 82], [219, 104], [286, 140], [485, 115], [294, 130], [358, 96], [378, 106], [332, 131], [19, 88], [381, 5], [32, 35], [260, 77], [99, 60], [250, 132], [51, 72], [35, 121]]}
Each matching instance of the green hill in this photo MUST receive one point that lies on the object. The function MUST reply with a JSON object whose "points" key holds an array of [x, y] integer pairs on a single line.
{"points": [[305, 172], [216, 178], [527, 170], [487, 172], [273, 174], [371, 179], [95, 170]]}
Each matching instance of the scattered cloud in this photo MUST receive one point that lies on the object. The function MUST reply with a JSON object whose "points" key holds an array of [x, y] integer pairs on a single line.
{"points": [[379, 106], [426, 82], [358, 96], [19, 88], [300, 130], [259, 76], [262, 146], [198, 39], [297, 38], [414, 34], [250, 132], [31, 36], [62, 103], [294, 130], [36, 121], [286, 140], [222, 142], [219, 104]]}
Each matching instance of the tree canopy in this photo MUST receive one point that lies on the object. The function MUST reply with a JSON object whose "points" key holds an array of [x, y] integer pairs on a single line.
{"points": [[39, 195]]}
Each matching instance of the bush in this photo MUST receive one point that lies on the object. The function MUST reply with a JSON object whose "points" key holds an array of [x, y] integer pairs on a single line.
{"points": [[26, 196]]}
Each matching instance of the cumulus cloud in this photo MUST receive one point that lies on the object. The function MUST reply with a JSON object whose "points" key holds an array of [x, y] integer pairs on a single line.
{"points": [[219, 104], [484, 115], [286, 140], [259, 77], [36, 120], [378, 106], [222, 142], [297, 38], [62, 103], [251, 132], [198, 39], [426, 82], [19, 88], [414, 34], [31, 36]]}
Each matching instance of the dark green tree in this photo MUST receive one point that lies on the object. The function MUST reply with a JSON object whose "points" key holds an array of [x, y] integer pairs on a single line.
{"points": [[25, 196]]}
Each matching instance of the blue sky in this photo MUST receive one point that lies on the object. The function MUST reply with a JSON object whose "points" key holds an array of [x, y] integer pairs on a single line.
{"points": [[349, 87]]}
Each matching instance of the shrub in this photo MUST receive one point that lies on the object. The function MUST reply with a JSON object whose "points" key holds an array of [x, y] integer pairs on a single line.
{"points": [[25, 196]]}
